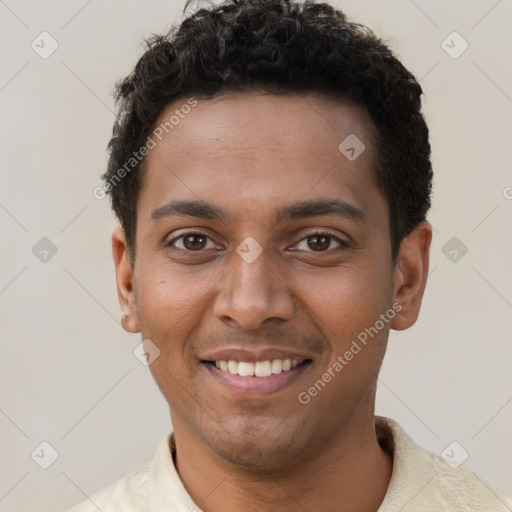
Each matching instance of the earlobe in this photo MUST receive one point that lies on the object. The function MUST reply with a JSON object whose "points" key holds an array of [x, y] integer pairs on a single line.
{"points": [[410, 275], [124, 282]]}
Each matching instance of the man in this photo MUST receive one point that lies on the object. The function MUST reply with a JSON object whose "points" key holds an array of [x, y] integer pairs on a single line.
{"points": [[270, 168]]}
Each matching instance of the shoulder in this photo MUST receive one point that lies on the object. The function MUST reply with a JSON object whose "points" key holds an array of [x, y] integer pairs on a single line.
{"points": [[423, 481], [130, 491], [154, 487]]}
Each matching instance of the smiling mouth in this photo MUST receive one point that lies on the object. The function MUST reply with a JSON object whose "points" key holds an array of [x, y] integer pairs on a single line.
{"points": [[258, 369]]}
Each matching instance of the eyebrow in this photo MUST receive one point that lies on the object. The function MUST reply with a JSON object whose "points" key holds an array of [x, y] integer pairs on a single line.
{"points": [[301, 209]]}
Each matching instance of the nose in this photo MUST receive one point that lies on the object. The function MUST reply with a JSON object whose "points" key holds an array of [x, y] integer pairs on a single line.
{"points": [[252, 294]]}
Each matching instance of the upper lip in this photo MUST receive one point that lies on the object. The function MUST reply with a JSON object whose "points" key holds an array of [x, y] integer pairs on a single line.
{"points": [[253, 355]]}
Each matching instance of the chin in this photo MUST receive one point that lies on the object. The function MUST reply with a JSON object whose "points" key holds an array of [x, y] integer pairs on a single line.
{"points": [[258, 450]]}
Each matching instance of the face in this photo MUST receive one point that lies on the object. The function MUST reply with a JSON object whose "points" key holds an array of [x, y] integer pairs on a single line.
{"points": [[262, 255]]}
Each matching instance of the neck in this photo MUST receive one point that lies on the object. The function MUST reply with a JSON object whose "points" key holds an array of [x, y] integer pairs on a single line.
{"points": [[335, 478]]}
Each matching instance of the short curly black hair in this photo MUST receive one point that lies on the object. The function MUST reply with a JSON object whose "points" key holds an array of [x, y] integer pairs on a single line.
{"points": [[280, 47]]}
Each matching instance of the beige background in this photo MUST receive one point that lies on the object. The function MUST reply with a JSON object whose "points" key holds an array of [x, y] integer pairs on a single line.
{"points": [[68, 374]]}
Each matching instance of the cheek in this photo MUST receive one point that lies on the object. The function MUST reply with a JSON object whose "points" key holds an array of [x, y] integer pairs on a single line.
{"points": [[169, 309], [166, 307], [167, 296], [346, 310], [172, 306], [348, 301]]}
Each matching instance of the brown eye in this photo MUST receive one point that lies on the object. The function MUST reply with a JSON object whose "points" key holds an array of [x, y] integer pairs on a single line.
{"points": [[194, 242], [319, 242]]}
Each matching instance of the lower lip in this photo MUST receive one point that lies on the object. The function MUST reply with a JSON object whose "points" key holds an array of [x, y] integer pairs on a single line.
{"points": [[256, 385]]}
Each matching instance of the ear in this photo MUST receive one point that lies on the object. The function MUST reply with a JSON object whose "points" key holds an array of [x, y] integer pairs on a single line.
{"points": [[410, 275], [124, 281]]}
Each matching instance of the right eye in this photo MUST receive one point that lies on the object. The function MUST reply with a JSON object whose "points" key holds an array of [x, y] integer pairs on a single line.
{"points": [[191, 241]]}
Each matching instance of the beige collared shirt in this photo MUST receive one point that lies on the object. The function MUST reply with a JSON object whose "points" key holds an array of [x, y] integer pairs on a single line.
{"points": [[420, 482]]}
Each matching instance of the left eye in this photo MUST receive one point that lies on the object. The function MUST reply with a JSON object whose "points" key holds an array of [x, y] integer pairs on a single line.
{"points": [[320, 242]]}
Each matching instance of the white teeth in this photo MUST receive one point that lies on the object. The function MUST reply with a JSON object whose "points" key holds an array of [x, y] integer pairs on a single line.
{"points": [[258, 369], [262, 369], [233, 367], [245, 369], [277, 366]]}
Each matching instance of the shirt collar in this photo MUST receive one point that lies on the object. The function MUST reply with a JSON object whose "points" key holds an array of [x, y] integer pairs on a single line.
{"points": [[164, 486], [166, 492]]}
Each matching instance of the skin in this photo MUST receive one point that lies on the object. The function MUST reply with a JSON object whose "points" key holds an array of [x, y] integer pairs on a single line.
{"points": [[250, 154]]}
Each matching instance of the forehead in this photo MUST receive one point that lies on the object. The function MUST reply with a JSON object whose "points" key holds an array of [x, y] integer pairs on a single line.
{"points": [[250, 149], [243, 121]]}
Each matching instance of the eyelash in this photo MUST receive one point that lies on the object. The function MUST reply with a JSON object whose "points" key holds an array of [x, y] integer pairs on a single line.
{"points": [[342, 243]]}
